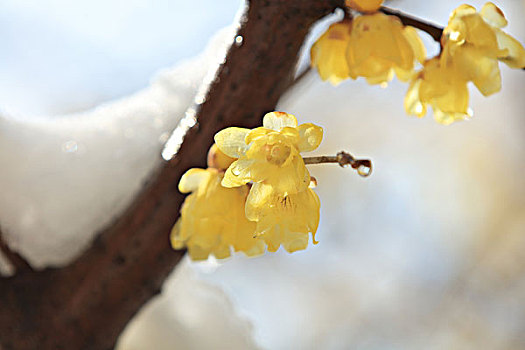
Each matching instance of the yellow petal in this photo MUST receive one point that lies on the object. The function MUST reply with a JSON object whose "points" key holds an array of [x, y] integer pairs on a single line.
{"points": [[413, 104], [515, 57], [328, 53], [462, 10], [412, 36], [232, 141], [238, 173], [261, 195], [310, 137], [177, 242], [295, 241], [217, 159], [192, 179], [493, 15], [364, 5], [256, 133], [278, 120], [483, 71]]}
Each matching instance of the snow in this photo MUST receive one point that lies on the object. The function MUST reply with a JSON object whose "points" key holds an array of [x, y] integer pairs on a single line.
{"points": [[425, 253], [189, 314], [70, 175]]}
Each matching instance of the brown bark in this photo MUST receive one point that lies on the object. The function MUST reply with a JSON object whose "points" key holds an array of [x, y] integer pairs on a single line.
{"points": [[86, 304]]}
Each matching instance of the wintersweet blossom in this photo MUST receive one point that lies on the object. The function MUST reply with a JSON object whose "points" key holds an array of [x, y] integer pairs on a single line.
{"points": [[473, 43], [380, 46], [443, 88], [213, 219], [364, 5], [285, 220], [270, 154], [279, 201], [328, 53]]}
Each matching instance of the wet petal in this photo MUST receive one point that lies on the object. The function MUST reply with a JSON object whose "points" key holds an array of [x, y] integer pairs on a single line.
{"points": [[191, 180], [261, 196], [493, 15], [310, 137], [238, 173], [413, 104], [328, 53], [364, 5], [416, 43], [278, 120], [232, 141], [515, 57]]}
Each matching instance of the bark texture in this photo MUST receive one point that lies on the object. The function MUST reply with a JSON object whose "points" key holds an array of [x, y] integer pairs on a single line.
{"points": [[87, 304]]}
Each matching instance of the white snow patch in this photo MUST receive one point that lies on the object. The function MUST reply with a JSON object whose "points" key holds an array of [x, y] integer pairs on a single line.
{"points": [[69, 176]]}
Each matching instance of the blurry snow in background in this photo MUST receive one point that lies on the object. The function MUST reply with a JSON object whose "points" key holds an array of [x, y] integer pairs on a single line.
{"points": [[426, 253]]}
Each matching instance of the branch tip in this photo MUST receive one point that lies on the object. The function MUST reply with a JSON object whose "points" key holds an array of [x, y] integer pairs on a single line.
{"points": [[344, 159]]}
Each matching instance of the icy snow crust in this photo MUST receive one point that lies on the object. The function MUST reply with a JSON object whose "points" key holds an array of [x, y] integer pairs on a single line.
{"points": [[69, 176]]}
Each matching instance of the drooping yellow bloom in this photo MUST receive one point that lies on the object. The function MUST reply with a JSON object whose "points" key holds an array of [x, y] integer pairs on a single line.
{"points": [[364, 5], [473, 43], [328, 52], [441, 87], [284, 220], [213, 219], [280, 202], [380, 45]]}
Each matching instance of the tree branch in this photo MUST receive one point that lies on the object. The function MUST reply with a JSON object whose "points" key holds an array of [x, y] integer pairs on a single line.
{"points": [[363, 166], [87, 304], [19, 263], [435, 31]]}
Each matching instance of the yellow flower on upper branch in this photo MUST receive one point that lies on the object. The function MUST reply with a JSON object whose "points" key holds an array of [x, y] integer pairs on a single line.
{"points": [[473, 43], [213, 217], [380, 45], [364, 5], [441, 87], [280, 202], [328, 52]]}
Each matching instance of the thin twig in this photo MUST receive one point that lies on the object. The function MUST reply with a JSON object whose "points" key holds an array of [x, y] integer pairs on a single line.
{"points": [[363, 166], [435, 31], [18, 262]]}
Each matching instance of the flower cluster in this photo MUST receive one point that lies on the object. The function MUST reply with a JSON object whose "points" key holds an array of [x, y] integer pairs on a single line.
{"points": [[377, 46], [254, 195], [373, 46], [473, 44]]}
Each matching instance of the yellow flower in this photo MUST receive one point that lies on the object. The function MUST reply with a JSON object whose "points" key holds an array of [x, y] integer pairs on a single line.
{"points": [[270, 154], [280, 202], [328, 52], [380, 45], [217, 159], [213, 218], [364, 5], [284, 220], [473, 43], [441, 87]]}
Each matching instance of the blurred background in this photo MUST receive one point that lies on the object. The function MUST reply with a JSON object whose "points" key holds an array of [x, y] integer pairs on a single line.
{"points": [[427, 253]]}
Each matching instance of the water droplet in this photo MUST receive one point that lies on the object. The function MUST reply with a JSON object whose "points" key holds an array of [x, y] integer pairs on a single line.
{"points": [[364, 170], [419, 108], [70, 146], [236, 171], [238, 40]]}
